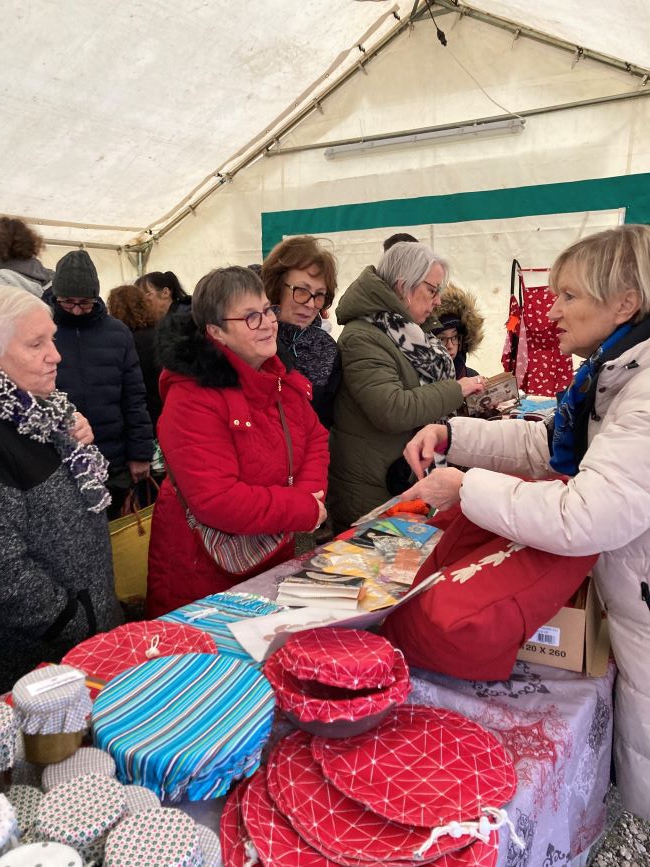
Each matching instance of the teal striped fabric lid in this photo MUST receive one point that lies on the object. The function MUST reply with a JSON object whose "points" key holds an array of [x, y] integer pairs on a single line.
{"points": [[185, 725], [214, 613]]}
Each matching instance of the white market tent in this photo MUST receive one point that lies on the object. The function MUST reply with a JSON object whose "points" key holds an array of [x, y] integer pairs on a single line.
{"points": [[189, 135]]}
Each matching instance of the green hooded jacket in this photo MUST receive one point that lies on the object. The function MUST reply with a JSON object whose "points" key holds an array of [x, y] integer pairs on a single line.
{"points": [[380, 404]]}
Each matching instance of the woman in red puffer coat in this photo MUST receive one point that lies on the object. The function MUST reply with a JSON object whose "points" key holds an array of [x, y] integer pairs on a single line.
{"points": [[223, 439]]}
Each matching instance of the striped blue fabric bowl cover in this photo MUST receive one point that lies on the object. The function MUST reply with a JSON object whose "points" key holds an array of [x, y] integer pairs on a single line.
{"points": [[214, 613], [185, 725]]}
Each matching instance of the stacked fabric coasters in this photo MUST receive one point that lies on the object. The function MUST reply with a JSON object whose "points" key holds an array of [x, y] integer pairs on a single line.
{"points": [[87, 760], [185, 725], [80, 813], [426, 785], [337, 682], [108, 654], [51, 705], [166, 838], [213, 614]]}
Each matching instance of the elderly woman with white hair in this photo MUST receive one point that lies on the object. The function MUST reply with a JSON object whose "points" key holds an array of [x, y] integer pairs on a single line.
{"points": [[56, 587], [397, 377]]}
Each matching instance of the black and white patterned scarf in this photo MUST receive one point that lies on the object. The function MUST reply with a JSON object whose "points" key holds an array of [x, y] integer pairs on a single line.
{"points": [[48, 420], [425, 352]]}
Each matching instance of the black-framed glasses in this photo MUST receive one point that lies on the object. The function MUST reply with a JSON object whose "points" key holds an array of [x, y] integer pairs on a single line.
{"points": [[454, 340], [68, 304], [255, 319], [304, 296]]}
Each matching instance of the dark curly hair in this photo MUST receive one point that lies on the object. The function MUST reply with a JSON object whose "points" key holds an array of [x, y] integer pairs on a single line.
{"points": [[301, 252], [128, 303], [17, 240]]}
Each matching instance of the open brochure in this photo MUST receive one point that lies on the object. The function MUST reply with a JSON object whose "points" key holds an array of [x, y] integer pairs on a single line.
{"points": [[261, 636]]}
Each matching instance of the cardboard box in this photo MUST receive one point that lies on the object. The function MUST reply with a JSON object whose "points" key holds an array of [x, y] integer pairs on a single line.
{"points": [[577, 638]]}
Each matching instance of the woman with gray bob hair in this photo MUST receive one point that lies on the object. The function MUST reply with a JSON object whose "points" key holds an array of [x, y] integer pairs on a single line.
{"points": [[397, 376], [55, 553]]}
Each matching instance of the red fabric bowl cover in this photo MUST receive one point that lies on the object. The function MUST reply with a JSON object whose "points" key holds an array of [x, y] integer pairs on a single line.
{"points": [[235, 843], [333, 823], [274, 838], [421, 766], [108, 654], [351, 658], [292, 695], [494, 594]]}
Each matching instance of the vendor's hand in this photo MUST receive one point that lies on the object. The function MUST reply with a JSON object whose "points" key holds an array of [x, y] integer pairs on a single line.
{"points": [[322, 511], [441, 488], [419, 451], [471, 384], [81, 430], [139, 470]]}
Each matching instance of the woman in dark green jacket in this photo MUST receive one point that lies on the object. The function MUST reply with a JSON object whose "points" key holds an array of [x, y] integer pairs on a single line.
{"points": [[397, 376]]}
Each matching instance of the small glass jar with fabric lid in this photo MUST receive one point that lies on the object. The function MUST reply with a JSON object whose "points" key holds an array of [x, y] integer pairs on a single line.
{"points": [[52, 705]]}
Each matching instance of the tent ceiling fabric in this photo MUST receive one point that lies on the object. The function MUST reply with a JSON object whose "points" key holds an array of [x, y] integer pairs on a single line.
{"points": [[113, 113]]}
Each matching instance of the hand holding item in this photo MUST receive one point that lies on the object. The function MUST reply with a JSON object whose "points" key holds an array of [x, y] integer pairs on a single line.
{"points": [[322, 511], [139, 470], [441, 488], [472, 385], [81, 430], [419, 451]]}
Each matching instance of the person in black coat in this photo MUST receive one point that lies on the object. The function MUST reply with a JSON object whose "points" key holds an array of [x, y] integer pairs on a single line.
{"points": [[101, 374]]}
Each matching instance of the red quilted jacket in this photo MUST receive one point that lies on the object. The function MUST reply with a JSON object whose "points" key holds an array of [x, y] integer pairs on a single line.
{"points": [[221, 435]]}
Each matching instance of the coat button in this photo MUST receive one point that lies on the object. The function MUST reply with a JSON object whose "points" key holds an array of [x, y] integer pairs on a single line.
{"points": [[236, 421], [248, 424]]}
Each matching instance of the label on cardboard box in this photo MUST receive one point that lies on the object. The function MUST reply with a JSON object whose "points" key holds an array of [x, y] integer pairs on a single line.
{"points": [[549, 635]]}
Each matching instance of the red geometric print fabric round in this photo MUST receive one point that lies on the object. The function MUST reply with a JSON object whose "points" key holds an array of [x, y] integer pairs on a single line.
{"points": [[349, 658], [335, 824], [292, 694], [421, 766], [108, 654], [234, 839], [274, 838]]}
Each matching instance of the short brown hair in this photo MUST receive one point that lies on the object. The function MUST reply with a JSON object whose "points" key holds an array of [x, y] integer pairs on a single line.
{"points": [[216, 291], [129, 304], [301, 252], [17, 240]]}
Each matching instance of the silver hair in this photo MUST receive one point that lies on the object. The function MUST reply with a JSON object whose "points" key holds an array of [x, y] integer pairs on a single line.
{"points": [[14, 304], [409, 262]]}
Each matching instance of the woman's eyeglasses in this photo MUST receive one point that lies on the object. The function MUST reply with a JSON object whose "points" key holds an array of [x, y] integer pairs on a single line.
{"points": [[454, 340], [255, 319], [304, 296], [69, 304]]}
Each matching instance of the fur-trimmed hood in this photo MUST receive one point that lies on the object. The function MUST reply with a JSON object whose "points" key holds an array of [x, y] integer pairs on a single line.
{"points": [[462, 306], [181, 348]]}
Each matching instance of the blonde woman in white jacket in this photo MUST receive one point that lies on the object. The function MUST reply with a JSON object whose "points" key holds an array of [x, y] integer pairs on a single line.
{"points": [[600, 438]]}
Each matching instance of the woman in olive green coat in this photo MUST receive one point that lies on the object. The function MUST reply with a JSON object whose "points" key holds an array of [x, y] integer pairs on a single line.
{"points": [[397, 377]]}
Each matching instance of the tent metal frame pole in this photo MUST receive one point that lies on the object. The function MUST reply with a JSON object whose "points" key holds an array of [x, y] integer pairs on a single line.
{"points": [[269, 147], [531, 112]]}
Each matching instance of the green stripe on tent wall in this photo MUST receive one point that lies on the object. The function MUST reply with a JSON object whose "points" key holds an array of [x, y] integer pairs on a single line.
{"points": [[601, 194]]}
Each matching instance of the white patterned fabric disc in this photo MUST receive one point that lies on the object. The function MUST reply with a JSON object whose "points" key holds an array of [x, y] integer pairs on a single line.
{"points": [[80, 811], [166, 838], [42, 855], [138, 799], [8, 729], [87, 760], [25, 801], [210, 847]]}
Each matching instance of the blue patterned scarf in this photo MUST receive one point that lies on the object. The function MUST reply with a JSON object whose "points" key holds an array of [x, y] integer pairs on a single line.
{"points": [[573, 404]]}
